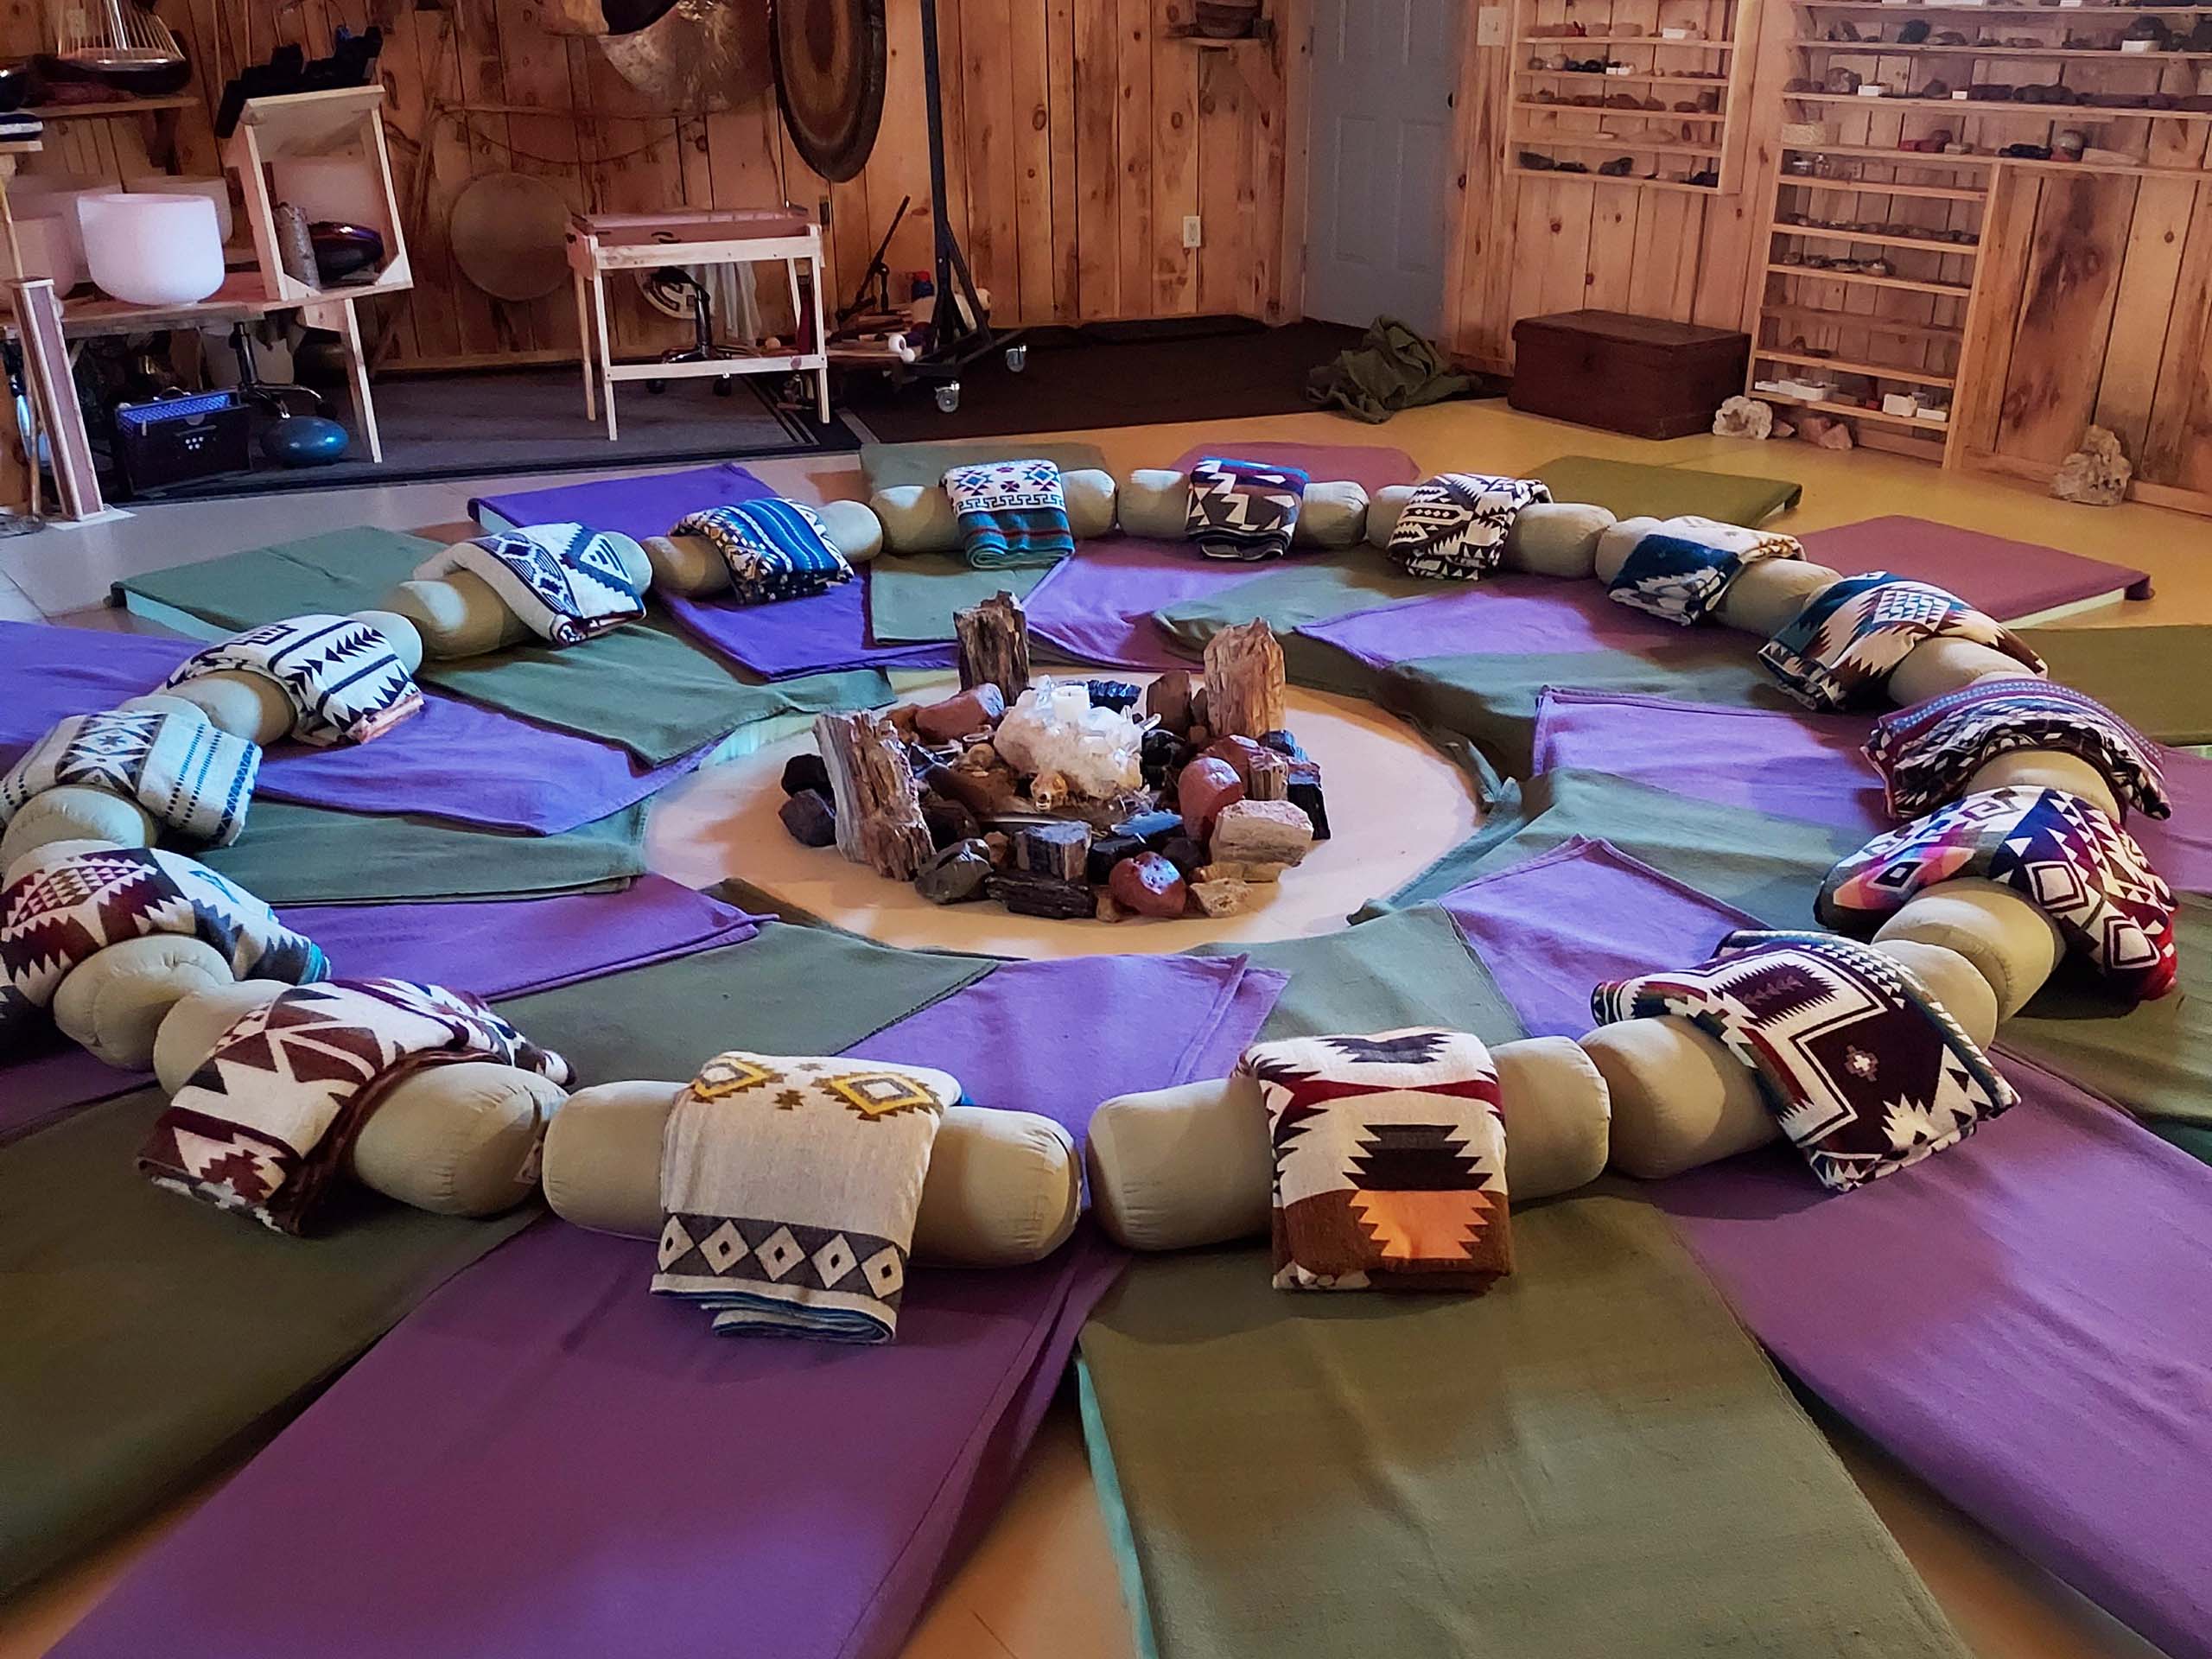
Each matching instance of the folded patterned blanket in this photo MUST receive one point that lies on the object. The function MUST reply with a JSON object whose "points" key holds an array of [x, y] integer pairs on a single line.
{"points": [[1454, 525], [69, 907], [1927, 752], [1682, 570], [791, 1186], [345, 682], [1390, 1161], [1867, 1073], [271, 1116], [2058, 852], [1011, 512], [775, 549], [1841, 649], [1244, 509], [189, 775], [566, 583]]}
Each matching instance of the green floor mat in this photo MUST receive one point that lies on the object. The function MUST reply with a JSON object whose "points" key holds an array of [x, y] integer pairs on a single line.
{"points": [[1628, 488], [1309, 586], [911, 596], [2141, 674], [1594, 1459], [1408, 969], [889, 466]]}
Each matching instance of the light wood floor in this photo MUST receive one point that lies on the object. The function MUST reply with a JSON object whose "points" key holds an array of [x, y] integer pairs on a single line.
{"points": [[1042, 1584]]}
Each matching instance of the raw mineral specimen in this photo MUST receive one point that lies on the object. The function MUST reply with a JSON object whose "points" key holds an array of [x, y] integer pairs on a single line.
{"points": [[2097, 473], [1262, 832], [811, 818], [1222, 897], [956, 874], [1148, 885], [805, 772], [1027, 894], [1155, 830], [1058, 850], [948, 820], [977, 709], [1107, 851], [1206, 786]]}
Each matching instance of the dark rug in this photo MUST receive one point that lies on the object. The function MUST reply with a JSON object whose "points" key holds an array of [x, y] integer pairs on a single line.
{"points": [[1113, 374], [532, 421]]}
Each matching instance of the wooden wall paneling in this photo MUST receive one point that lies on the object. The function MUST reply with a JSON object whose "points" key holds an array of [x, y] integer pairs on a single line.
{"points": [[1986, 349], [534, 67], [1098, 177], [1478, 308], [952, 102], [2066, 314], [1668, 225], [1136, 50], [994, 253], [900, 166], [2178, 445], [436, 70], [1267, 152], [1610, 250], [1286, 191], [1174, 163], [1030, 140], [2149, 275], [1226, 183], [489, 327], [1061, 41]]}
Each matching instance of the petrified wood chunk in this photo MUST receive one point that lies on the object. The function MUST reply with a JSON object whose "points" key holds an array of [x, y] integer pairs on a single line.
{"points": [[1244, 681], [994, 647], [880, 820]]}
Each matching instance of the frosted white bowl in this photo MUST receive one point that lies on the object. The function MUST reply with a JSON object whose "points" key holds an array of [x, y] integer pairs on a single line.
{"points": [[168, 184], [153, 250]]}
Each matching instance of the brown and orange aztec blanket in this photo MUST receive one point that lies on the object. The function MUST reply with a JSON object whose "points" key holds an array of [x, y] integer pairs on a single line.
{"points": [[271, 1116], [1843, 646], [1866, 1072], [1389, 1156], [789, 1187], [1453, 526], [1927, 752], [68, 906], [2058, 852], [344, 682]]}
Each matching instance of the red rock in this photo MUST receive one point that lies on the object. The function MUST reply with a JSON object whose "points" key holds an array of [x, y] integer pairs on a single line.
{"points": [[1240, 753], [1148, 885], [1207, 785], [978, 709]]}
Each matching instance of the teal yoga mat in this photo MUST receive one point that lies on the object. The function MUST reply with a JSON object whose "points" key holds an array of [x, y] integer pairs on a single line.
{"points": [[911, 596], [1312, 586]]}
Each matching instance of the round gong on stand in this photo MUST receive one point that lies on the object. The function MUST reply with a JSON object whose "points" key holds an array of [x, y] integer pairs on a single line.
{"points": [[829, 59]]}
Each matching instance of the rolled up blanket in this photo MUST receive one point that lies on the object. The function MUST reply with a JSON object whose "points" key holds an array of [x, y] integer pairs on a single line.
{"points": [[775, 549], [791, 1186], [2062, 854], [1010, 512], [1866, 1074], [270, 1117], [1390, 1161], [1682, 570], [344, 681], [1927, 753], [1453, 526], [66, 909], [1842, 648], [1244, 509], [191, 777], [566, 583]]}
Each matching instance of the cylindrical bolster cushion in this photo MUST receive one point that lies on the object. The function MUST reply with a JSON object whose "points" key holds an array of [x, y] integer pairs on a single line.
{"points": [[1936, 666], [458, 615], [406, 641], [2048, 769], [1175, 1169], [854, 530], [1156, 502], [916, 518], [1092, 495], [188, 1035], [2012, 944], [73, 812], [1002, 1187], [113, 1003], [1616, 542], [1382, 510], [1767, 598], [244, 705], [1555, 538], [1333, 514], [1952, 981], [459, 1140], [690, 565], [1680, 1098]]}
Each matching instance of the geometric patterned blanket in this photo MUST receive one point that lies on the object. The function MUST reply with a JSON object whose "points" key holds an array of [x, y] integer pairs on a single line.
{"points": [[772, 548], [1865, 1072], [65, 909], [271, 1115], [564, 582], [1841, 649], [340, 676], [2058, 852], [1011, 512], [190, 776], [1680, 572], [789, 1188], [1927, 752], [1453, 526], [1390, 1161], [1244, 509]]}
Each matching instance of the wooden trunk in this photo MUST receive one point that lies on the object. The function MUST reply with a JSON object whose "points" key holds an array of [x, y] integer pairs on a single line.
{"points": [[1637, 375], [880, 820]]}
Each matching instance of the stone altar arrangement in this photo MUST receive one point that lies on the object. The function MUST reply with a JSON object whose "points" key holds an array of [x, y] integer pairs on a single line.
{"points": [[1072, 798]]}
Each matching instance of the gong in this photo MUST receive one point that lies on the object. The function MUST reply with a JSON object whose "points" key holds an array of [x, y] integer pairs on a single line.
{"points": [[691, 55], [508, 233], [829, 61]]}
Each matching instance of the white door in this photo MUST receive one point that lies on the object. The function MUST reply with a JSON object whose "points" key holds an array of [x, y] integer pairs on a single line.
{"points": [[1384, 72]]}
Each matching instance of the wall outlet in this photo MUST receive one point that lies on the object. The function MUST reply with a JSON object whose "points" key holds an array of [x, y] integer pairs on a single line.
{"points": [[1194, 231], [1489, 26]]}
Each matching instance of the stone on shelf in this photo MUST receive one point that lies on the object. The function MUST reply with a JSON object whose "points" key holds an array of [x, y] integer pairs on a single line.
{"points": [[956, 874], [1148, 885], [1262, 832], [1207, 785], [811, 818], [1026, 892], [999, 845], [1060, 850], [994, 640], [977, 709], [1283, 744], [1240, 752]]}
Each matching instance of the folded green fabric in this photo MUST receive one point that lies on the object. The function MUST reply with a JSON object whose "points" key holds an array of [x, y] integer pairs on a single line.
{"points": [[1393, 367], [1314, 585], [1591, 1460], [889, 466], [911, 596], [2131, 671], [1629, 489]]}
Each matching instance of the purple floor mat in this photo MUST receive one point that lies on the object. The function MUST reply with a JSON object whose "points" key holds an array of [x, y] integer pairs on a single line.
{"points": [[650, 1487], [1504, 615], [2010, 579], [1098, 606], [1372, 466], [2025, 1320]]}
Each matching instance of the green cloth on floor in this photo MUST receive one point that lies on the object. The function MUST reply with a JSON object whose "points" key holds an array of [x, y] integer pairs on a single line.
{"points": [[1393, 367], [2192, 1140], [1592, 1460], [2140, 673], [1314, 585], [646, 687], [888, 466], [1408, 969], [292, 854], [911, 596], [150, 1339], [1628, 489]]}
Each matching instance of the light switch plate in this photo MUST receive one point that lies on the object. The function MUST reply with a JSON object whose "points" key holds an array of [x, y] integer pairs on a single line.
{"points": [[1194, 231], [1489, 26]]}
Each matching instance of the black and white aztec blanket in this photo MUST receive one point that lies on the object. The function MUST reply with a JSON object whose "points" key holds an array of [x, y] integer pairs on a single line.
{"points": [[1011, 512], [344, 682], [774, 549], [1927, 753], [1682, 569], [1866, 1074], [269, 1118], [187, 774], [66, 908], [1454, 525], [1843, 646], [1244, 509], [564, 582]]}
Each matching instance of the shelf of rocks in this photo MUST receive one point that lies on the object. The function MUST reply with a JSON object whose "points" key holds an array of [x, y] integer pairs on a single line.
{"points": [[1966, 8], [1851, 411], [1710, 82], [1850, 365], [1903, 284], [1978, 108], [1936, 158], [1885, 239], [1553, 175], [1882, 186], [2102, 54], [1626, 40], [1681, 118], [1802, 317]]}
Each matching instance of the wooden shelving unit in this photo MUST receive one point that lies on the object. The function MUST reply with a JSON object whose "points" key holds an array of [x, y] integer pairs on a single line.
{"points": [[1667, 148]]}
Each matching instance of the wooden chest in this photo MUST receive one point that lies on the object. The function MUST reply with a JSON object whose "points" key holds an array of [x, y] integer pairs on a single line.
{"points": [[1638, 375]]}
